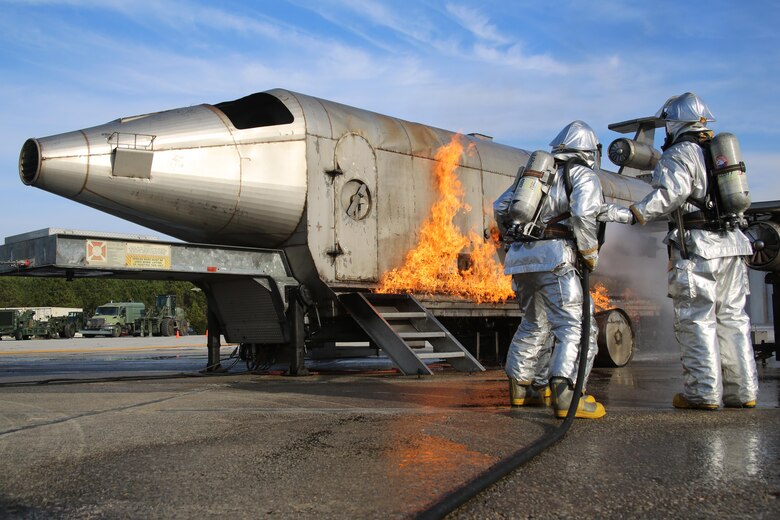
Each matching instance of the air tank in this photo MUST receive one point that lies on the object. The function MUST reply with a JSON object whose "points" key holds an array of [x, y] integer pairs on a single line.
{"points": [[730, 173], [535, 180]]}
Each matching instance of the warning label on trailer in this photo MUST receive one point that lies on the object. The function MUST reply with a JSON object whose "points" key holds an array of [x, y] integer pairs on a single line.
{"points": [[148, 256], [134, 255]]}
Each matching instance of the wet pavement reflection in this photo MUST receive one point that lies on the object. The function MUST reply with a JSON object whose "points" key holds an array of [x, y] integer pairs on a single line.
{"points": [[375, 444]]}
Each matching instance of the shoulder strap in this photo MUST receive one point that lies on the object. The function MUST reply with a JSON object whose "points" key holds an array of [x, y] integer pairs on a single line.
{"points": [[567, 173], [569, 188], [710, 203]]}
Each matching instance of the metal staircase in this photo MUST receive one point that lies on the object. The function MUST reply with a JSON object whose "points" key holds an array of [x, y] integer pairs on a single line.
{"points": [[409, 334]]}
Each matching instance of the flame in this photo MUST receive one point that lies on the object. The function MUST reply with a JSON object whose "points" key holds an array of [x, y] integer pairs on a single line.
{"points": [[432, 265], [600, 297]]}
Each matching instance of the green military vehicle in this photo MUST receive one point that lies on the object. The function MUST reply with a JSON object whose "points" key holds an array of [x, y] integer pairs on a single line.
{"points": [[114, 319], [67, 326], [22, 324], [166, 319]]}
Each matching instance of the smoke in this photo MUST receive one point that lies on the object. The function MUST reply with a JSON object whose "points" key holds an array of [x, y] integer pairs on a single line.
{"points": [[633, 265]]}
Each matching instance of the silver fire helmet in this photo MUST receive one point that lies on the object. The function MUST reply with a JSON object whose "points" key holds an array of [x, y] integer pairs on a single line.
{"points": [[577, 139], [687, 108], [577, 135]]}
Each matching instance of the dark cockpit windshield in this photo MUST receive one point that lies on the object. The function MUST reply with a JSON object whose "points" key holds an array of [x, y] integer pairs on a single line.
{"points": [[256, 110]]}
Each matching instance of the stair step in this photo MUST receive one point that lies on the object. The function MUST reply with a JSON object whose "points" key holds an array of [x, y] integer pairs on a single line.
{"points": [[393, 324], [442, 355], [403, 315], [423, 335]]}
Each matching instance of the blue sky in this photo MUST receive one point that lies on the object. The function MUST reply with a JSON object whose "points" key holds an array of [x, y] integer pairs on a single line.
{"points": [[517, 71]]}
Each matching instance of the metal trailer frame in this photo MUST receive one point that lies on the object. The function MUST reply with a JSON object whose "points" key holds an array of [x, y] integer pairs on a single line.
{"points": [[261, 276]]}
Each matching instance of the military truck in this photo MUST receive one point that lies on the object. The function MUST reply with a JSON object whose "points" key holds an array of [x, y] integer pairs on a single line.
{"points": [[67, 326], [113, 319], [164, 320], [22, 324]]}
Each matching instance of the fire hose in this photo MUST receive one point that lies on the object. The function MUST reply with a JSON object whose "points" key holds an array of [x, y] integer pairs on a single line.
{"points": [[496, 472]]}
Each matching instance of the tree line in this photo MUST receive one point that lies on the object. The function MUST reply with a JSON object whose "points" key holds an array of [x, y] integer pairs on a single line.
{"points": [[89, 294]]}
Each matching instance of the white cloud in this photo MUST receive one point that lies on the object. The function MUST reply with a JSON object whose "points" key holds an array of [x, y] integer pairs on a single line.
{"points": [[763, 174], [477, 23]]}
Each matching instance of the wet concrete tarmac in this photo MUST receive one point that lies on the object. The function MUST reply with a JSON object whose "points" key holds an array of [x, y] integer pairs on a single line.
{"points": [[373, 445]]}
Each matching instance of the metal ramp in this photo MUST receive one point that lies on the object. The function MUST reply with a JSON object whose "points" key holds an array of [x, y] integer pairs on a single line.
{"points": [[402, 327]]}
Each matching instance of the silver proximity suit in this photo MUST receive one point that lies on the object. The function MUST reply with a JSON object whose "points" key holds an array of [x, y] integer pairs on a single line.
{"points": [[709, 288], [546, 281]]}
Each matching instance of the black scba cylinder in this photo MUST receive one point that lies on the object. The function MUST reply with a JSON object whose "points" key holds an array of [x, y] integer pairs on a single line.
{"points": [[633, 154], [615, 339]]}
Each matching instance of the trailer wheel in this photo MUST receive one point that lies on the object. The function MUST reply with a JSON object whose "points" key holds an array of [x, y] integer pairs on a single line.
{"points": [[615, 338], [167, 327]]}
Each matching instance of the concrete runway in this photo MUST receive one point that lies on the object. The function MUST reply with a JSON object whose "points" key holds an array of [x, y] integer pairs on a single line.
{"points": [[371, 444]]}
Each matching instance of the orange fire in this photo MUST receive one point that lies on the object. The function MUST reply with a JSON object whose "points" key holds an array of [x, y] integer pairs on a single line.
{"points": [[600, 297], [432, 266]]}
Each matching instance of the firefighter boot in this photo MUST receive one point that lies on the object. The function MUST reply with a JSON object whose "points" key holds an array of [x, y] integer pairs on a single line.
{"points": [[734, 402], [523, 394], [562, 394], [546, 394], [680, 401]]}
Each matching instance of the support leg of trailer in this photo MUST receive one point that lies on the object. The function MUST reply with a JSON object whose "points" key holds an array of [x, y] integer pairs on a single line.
{"points": [[775, 280], [212, 342], [297, 344]]}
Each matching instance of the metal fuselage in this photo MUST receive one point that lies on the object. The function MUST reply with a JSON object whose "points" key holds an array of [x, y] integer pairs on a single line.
{"points": [[341, 190]]}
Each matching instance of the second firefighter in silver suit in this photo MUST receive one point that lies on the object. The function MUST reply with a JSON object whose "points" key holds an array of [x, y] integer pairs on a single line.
{"points": [[707, 274]]}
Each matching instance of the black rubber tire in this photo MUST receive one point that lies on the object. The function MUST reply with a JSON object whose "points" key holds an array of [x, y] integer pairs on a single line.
{"points": [[69, 330], [167, 327]]}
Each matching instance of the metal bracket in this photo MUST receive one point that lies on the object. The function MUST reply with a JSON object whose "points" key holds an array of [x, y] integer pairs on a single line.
{"points": [[335, 251]]}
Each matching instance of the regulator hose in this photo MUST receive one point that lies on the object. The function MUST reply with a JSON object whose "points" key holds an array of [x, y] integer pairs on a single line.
{"points": [[499, 470]]}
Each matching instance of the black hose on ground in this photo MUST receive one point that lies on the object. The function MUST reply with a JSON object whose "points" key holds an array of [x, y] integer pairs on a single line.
{"points": [[463, 494]]}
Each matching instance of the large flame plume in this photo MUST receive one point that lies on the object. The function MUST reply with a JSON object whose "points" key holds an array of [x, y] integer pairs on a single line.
{"points": [[432, 266]]}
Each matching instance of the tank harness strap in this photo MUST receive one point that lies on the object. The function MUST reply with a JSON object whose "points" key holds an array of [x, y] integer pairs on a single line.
{"points": [[553, 231], [695, 220], [602, 226], [708, 205]]}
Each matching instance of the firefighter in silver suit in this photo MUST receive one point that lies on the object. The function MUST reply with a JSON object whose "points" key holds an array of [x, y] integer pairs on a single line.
{"points": [[544, 274], [707, 275]]}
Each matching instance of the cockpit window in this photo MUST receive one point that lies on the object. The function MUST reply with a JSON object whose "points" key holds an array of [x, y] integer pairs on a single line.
{"points": [[256, 110]]}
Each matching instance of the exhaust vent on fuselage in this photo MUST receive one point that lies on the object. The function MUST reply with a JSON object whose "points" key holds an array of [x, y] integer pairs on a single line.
{"points": [[29, 162]]}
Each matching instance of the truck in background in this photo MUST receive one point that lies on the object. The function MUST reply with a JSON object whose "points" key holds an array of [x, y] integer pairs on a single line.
{"points": [[114, 319], [164, 320], [21, 324], [67, 326]]}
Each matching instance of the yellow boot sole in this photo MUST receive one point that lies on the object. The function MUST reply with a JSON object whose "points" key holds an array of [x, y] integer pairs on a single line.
{"points": [[597, 413], [679, 401]]}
